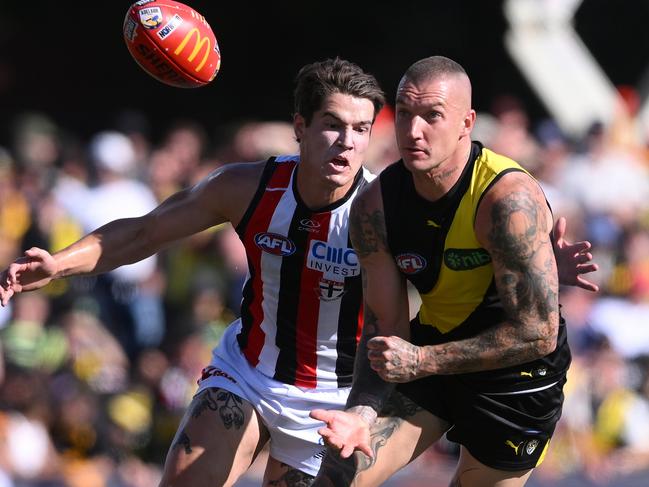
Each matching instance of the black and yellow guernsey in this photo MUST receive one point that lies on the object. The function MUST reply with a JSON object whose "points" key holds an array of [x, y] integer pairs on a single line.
{"points": [[436, 249]]}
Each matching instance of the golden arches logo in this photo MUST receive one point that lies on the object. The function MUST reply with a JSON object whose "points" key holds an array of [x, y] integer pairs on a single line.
{"points": [[198, 45]]}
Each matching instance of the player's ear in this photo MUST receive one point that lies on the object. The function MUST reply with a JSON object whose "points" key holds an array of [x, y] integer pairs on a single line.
{"points": [[299, 125], [468, 122]]}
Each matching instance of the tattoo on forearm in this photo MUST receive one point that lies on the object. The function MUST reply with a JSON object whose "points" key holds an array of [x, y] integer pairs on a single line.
{"points": [[367, 229], [227, 404], [292, 478], [369, 389], [182, 440]]}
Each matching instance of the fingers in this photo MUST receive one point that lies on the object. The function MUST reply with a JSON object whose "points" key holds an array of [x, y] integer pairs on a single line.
{"points": [[580, 247], [583, 258], [560, 228], [12, 274], [322, 415], [587, 285], [35, 252], [587, 268], [378, 343], [5, 295], [365, 448]]}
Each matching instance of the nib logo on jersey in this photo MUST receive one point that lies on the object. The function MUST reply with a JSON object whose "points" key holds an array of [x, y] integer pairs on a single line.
{"points": [[332, 261]]}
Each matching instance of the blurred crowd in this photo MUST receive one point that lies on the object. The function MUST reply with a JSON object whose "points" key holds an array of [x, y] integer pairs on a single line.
{"points": [[95, 372]]}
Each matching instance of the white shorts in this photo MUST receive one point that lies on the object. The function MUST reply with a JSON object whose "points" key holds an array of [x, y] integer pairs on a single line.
{"points": [[283, 408]]}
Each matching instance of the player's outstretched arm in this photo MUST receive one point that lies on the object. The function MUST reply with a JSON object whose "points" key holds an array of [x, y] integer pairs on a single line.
{"points": [[573, 259], [222, 196]]}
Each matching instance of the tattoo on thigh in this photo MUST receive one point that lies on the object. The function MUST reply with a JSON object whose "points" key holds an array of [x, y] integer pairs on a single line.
{"points": [[183, 441], [383, 429], [227, 404], [396, 409], [293, 478]]}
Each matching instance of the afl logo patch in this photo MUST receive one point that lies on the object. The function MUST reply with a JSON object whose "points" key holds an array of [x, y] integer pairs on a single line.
{"points": [[410, 263], [274, 243]]}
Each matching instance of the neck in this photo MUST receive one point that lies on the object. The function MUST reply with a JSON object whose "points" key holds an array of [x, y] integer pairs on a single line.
{"points": [[435, 183], [317, 192]]}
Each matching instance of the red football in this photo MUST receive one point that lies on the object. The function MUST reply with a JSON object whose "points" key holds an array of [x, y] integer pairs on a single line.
{"points": [[172, 42]]}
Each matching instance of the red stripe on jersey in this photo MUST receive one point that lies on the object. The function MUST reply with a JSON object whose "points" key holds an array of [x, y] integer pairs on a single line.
{"points": [[259, 222], [309, 310]]}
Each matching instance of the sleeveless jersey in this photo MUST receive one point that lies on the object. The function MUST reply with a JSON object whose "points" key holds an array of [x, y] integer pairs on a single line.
{"points": [[301, 311], [436, 249]]}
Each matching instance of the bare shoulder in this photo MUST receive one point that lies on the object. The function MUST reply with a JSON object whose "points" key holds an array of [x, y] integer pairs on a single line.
{"points": [[367, 221], [230, 188], [369, 197]]}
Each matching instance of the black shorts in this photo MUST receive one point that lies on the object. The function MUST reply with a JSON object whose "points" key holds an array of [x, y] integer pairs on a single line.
{"points": [[505, 431]]}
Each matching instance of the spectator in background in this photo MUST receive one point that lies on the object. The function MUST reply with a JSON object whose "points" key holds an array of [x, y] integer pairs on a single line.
{"points": [[15, 212], [129, 297], [383, 149], [187, 143]]}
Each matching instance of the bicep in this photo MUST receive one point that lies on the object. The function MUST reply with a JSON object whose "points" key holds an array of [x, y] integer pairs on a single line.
{"points": [[222, 196], [513, 223]]}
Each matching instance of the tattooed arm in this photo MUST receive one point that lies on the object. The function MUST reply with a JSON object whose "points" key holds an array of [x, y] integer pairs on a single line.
{"points": [[513, 223], [385, 319]]}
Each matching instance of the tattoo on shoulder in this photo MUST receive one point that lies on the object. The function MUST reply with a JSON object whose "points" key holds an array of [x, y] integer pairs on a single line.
{"points": [[367, 229], [182, 440], [227, 404], [292, 478], [515, 221], [517, 236]]}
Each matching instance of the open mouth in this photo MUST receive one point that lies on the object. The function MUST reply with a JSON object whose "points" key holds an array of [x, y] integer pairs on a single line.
{"points": [[340, 162]]}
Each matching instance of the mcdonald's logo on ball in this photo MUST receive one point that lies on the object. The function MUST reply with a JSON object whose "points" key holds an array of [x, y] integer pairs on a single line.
{"points": [[172, 42]]}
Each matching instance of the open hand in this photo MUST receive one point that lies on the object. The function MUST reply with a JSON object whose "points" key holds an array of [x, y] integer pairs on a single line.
{"points": [[344, 431], [573, 259], [33, 271]]}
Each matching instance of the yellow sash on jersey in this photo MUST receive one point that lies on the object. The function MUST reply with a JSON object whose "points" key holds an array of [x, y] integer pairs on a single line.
{"points": [[466, 271]]}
